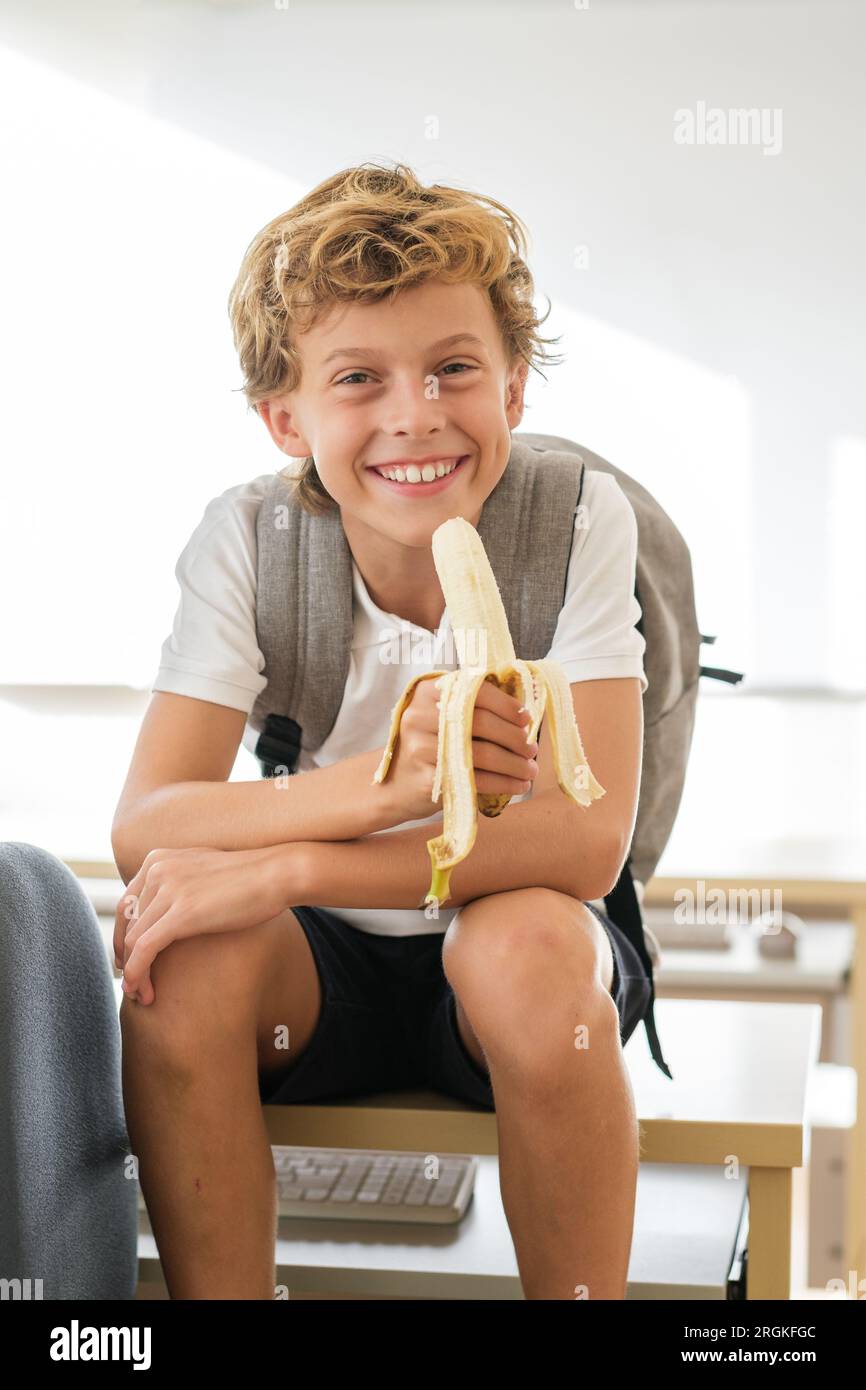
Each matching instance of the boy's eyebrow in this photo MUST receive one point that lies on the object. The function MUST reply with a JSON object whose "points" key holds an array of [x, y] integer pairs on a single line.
{"points": [[443, 343]]}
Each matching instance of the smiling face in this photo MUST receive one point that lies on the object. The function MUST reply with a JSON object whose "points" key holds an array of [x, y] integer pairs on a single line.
{"points": [[423, 378]]}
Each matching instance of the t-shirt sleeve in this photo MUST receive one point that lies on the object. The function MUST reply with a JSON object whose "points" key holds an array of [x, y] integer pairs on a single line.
{"points": [[212, 652], [596, 637]]}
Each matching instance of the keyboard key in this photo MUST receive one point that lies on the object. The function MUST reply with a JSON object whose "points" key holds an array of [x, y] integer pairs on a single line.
{"points": [[443, 1193]]}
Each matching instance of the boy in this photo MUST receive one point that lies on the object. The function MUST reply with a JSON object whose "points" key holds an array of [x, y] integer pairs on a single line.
{"points": [[385, 331]]}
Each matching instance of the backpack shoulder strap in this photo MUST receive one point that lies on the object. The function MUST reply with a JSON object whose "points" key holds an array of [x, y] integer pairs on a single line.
{"points": [[527, 529], [303, 624]]}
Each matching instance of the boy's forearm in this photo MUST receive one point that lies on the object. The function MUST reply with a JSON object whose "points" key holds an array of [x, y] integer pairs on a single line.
{"points": [[536, 843], [335, 803]]}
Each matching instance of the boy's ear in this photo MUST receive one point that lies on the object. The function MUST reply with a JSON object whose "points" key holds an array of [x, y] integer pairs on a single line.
{"points": [[279, 423], [514, 394]]}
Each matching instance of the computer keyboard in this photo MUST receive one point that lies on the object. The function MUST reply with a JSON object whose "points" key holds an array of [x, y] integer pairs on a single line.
{"points": [[371, 1184]]}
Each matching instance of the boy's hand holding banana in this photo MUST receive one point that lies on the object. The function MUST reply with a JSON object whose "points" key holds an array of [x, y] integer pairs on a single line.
{"points": [[481, 700], [504, 761]]}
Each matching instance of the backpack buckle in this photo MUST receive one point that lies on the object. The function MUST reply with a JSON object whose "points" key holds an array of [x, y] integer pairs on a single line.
{"points": [[278, 745]]}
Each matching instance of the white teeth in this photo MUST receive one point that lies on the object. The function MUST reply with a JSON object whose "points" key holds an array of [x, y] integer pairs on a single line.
{"points": [[413, 474]]}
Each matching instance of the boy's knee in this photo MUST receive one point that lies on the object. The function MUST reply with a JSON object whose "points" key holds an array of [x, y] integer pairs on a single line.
{"points": [[200, 982]]}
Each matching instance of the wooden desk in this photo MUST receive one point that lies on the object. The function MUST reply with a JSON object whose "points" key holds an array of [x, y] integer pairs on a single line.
{"points": [[812, 876], [818, 974], [738, 1100], [686, 1228]]}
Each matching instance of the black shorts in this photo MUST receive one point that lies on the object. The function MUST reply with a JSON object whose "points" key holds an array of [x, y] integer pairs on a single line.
{"points": [[388, 1018]]}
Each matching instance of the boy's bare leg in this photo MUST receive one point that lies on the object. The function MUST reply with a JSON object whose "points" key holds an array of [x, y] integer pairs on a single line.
{"points": [[190, 1085], [529, 967]]}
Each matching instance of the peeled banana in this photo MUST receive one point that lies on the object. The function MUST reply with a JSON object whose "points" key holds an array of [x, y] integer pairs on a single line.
{"points": [[485, 653]]}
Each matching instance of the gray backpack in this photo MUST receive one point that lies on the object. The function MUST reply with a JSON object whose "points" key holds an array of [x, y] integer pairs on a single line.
{"points": [[304, 627]]}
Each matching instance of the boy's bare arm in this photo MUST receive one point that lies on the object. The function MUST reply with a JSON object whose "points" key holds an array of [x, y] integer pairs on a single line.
{"points": [[545, 842], [339, 802]]}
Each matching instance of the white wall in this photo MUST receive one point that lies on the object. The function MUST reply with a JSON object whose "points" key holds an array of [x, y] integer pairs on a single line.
{"points": [[715, 337]]}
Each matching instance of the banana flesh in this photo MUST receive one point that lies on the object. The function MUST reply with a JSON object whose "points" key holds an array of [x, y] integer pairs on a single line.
{"points": [[485, 652]]}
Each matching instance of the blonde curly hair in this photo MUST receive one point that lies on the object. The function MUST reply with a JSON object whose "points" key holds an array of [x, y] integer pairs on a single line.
{"points": [[363, 235]]}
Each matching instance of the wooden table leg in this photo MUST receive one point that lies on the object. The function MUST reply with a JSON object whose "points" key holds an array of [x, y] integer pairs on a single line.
{"points": [[769, 1266], [855, 1207]]}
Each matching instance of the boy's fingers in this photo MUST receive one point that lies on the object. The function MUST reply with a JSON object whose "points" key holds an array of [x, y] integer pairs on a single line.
{"points": [[152, 940], [145, 989], [491, 757], [499, 702], [495, 729], [122, 918], [119, 929]]}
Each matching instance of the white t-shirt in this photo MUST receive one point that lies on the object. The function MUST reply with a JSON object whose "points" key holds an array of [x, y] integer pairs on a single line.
{"points": [[212, 652]]}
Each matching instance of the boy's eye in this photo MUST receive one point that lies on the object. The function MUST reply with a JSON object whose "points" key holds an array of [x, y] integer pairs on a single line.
{"points": [[465, 365]]}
